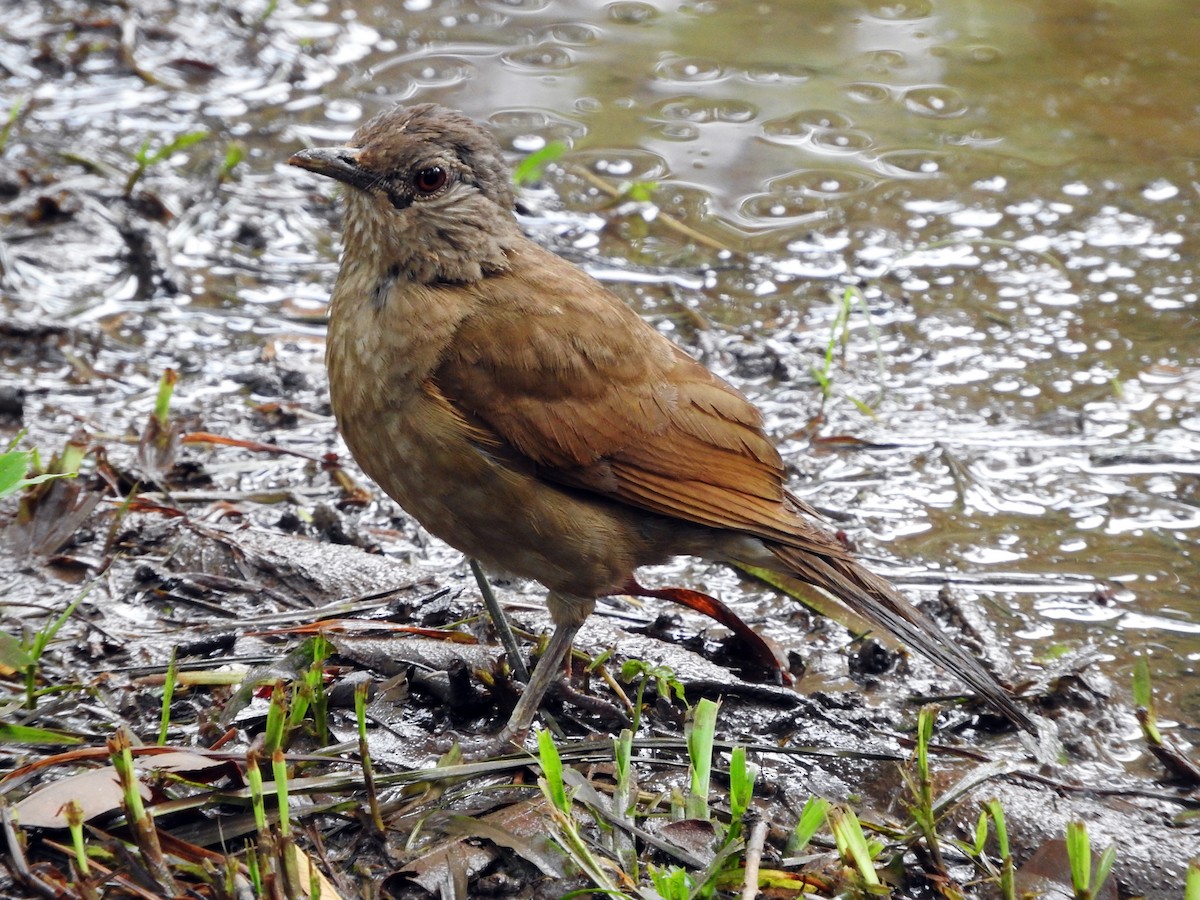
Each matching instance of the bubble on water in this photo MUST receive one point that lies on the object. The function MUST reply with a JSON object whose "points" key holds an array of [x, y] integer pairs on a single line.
{"points": [[531, 129], [823, 183], [935, 101], [343, 110], [825, 118], [689, 69], [621, 168], [628, 165], [518, 5], [689, 109], [541, 56], [792, 128], [1160, 189], [898, 10], [575, 33], [885, 60], [867, 92], [735, 111], [528, 143], [990, 556], [923, 163], [1117, 229], [703, 109], [779, 206], [846, 140], [779, 73], [630, 12], [975, 218], [983, 53], [676, 131], [429, 71]]}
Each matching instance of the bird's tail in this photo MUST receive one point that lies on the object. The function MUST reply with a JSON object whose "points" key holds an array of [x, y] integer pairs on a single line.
{"points": [[877, 601]]}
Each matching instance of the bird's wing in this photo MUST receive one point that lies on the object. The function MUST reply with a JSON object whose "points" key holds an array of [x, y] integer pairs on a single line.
{"points": [[558, 371]]}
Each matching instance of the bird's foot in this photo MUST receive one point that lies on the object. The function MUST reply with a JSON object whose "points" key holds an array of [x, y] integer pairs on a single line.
{"points": [[611, 716], [456, 748]]}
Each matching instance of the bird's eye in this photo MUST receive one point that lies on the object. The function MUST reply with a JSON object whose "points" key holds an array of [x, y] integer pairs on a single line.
{"points": [[431, 180]]}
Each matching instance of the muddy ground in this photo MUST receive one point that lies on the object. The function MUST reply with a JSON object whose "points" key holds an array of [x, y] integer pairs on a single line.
{"points": [[239, 518]]}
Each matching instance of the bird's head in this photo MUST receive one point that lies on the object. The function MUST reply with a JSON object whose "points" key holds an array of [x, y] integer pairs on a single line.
{"points": [[429, 197]]}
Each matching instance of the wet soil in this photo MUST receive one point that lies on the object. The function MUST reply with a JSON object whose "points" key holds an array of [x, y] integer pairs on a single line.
{"points": [[1007, 423]]}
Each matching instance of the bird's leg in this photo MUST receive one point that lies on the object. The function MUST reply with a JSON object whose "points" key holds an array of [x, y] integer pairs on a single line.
{"points": [[544, 673], [500, 622]]}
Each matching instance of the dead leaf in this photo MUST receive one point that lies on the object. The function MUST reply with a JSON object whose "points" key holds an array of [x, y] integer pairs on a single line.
{"points": [[311, 876], [98, 792], [1047, 874], [520, 827]]}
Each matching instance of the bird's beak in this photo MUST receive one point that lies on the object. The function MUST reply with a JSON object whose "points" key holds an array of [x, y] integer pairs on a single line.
{"points": [[340, 163]]}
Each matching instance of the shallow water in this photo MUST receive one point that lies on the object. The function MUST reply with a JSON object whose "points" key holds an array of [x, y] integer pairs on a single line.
{"points": [[1012, 187]]}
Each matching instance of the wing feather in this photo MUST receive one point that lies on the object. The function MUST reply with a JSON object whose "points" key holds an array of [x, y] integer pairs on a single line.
{"points": [[595, 398]]}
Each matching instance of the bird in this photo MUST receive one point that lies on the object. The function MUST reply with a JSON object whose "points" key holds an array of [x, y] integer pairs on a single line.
{"points": [[524, 414]]}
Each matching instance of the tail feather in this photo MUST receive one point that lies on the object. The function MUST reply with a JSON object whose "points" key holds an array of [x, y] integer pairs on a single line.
{"points": [[876, 600]]}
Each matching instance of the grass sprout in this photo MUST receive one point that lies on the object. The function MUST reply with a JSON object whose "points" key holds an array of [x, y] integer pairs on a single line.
{"points": [[147, 155]]}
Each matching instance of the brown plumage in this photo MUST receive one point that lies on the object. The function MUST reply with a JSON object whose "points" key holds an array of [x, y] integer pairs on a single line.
{"points": [[522, 413]]}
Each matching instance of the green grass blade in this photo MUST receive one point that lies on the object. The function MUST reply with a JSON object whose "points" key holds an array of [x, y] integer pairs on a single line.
{"points": [[13, 466], [1103, 868], [1143, 699], [700, 736], [552, 772], [812, 817], [532, 167], [1191, 888], [1079, 854], [852, 844], [164, 720]]}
